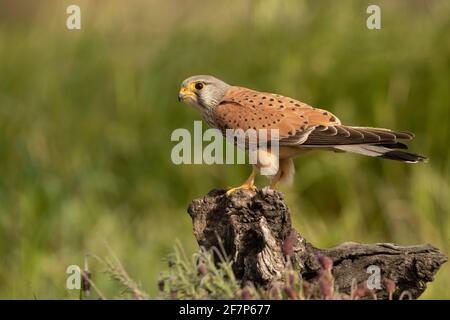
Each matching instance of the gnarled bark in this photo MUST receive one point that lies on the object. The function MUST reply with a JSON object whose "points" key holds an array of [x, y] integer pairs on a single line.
{"points": [[254, 229]]}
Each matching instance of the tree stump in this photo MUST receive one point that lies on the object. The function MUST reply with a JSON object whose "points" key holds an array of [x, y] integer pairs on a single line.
{"points": [[254, 229]]}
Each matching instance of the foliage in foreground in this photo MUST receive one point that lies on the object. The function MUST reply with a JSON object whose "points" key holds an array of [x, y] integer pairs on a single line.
{"points": [[200, 277], [116, 272]]}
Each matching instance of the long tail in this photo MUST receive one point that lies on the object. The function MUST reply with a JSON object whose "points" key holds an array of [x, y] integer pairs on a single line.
{"points": [[385, 151], [373, 142]]}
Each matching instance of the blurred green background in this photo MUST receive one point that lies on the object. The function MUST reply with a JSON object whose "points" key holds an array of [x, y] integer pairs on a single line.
{"points": [[86, 118]]}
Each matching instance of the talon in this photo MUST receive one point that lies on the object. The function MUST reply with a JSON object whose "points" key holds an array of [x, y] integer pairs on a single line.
{"points": [[248, 184], [244, 186]]}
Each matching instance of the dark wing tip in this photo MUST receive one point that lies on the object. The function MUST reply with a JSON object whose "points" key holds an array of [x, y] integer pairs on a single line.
{"points": [[403, 156], [395, 145]]}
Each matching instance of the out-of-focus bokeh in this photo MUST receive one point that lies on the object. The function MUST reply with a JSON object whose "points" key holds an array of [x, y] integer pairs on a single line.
{"points": [[86, 117]]}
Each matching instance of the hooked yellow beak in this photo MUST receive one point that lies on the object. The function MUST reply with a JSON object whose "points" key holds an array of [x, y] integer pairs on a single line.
{"points": [[184, 94]]}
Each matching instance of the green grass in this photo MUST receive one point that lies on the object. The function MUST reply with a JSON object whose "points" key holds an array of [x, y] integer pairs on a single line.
{"points": [[86, 118]]}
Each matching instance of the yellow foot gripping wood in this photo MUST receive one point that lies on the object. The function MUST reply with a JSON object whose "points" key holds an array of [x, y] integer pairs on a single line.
{"points": [[244, 186]]}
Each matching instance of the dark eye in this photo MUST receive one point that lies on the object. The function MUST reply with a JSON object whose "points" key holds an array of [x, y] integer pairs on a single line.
{"points": [[199, 86]]}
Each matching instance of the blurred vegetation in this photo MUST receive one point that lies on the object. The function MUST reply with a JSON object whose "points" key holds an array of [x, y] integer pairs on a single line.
{"points": [[86, 118]]}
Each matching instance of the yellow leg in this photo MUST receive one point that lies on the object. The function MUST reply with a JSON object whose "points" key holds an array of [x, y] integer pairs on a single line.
{"points": [[248, 184], [274, 180], [285, 173]]}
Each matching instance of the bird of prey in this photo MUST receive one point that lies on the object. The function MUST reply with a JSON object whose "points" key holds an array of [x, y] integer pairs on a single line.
{"points": [[300, 126]]}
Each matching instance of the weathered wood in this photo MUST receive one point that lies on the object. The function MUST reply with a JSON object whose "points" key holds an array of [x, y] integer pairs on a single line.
{"points": [[254, 229]]}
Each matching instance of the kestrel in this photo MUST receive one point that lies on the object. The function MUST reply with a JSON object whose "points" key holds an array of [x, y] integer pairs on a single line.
{"points": [[301, 127]]}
